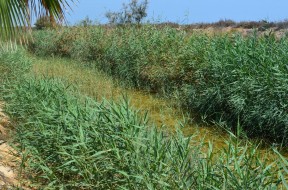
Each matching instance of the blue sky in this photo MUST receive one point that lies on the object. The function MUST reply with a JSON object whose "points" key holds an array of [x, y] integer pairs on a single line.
{"points": [[187, 11]]}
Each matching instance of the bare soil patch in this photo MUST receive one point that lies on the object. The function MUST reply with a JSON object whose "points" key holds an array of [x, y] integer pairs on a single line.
{"points": [[9, 161]]}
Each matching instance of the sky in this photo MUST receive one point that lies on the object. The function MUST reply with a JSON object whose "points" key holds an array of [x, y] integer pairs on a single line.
{"points": [[186, 11]]}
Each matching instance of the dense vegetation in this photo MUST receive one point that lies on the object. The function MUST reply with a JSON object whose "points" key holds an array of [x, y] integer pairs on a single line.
{"points": [[258, 25], [224, 77], [68, 141]]}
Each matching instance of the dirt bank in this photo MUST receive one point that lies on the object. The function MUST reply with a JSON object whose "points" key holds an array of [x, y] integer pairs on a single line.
{"points": [[8, 156]]}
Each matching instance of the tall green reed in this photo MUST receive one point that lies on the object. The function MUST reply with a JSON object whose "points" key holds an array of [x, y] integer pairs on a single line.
{"points": [[71, 142], [224, 77]]}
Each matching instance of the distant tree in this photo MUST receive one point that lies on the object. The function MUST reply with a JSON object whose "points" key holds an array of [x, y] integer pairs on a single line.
{"points": [[133, 13], [86, 22], [43, 22]]}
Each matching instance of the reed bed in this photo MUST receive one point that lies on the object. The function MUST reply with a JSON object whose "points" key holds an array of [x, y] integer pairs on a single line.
{"points": [[69, 141], [225, 78]]}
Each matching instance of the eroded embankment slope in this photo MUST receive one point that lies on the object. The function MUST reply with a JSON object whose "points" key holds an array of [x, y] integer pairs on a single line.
{"points": [[8, 158]]}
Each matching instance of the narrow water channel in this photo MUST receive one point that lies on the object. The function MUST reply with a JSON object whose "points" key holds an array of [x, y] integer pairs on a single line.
{"points": [[98, 85]]}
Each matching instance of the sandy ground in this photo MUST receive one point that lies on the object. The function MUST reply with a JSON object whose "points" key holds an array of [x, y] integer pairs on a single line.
{"points": [[8, 159]]}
